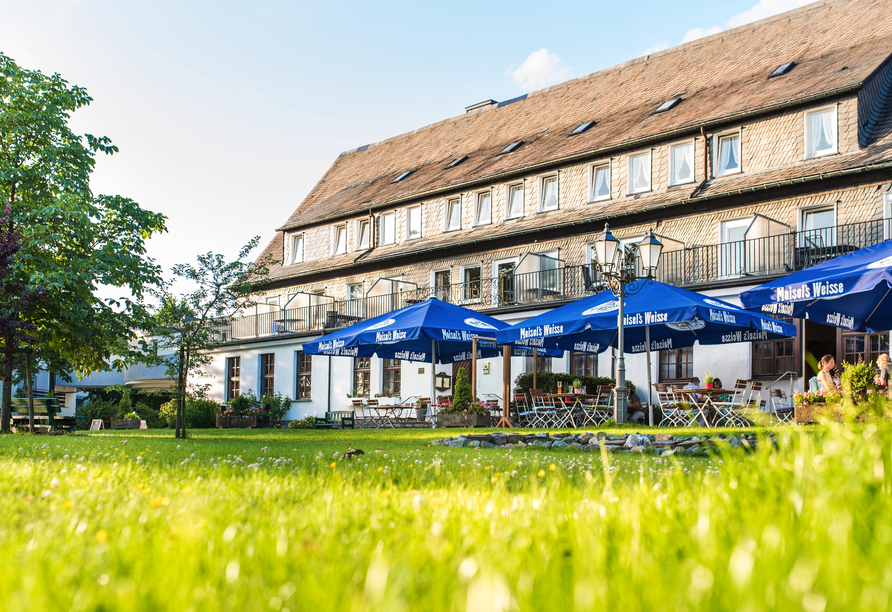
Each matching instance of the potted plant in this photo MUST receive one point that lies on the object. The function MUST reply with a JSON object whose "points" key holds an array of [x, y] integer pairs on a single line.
{"points": [[128, 421], [708, 378], [244, 412], [577, 387], [463, 411]]}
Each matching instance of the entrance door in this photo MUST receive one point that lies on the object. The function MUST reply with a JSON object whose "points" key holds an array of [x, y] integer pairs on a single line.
{"points": [[503, 273], [733, 248]]}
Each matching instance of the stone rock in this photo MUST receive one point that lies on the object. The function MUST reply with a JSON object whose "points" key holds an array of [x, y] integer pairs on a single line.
{"points": [[667, 453], [485, 444], [514, 438], [663, 444], [584, 438], [665, 437], [474, 443], [480, 437], [591, 448], [457, 443], [612, 437], [688, 443], [436, 442], [508, 446], [537, 442], [560, 435], [638, 449], [735, 442], [520, 444], [636, 440], [549, 444], [576, 446], [559, 444]]}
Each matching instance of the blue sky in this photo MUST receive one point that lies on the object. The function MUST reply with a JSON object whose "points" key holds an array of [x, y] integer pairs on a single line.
{"points": [[228, 113]]}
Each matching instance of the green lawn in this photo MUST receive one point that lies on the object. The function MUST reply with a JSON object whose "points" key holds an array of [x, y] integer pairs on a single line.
{"points": [[272, 520]]}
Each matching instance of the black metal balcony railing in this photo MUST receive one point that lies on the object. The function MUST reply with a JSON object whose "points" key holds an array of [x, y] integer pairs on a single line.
{"points": [[686, 267]]}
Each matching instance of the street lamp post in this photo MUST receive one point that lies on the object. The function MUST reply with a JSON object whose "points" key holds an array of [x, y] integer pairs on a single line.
{"points": [[623, 280]]}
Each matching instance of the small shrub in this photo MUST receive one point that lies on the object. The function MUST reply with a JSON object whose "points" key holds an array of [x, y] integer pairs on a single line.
{"points": [[125, 406], [96, 409], [150, 416], [462, 396], [278, 405], [201, 414], [168, 413], [304, 423], [131, 415], [243, 402]]}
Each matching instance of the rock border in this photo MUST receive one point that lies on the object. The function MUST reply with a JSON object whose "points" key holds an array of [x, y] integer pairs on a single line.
{"points": [[664, 445]]}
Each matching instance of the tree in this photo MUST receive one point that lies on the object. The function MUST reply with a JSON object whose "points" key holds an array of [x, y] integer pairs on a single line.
{"points": [[462, 393], [187, 328], [72, 241]]}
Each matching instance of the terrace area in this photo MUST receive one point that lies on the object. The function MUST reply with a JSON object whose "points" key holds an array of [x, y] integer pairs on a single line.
{"points": [[778, 251]]}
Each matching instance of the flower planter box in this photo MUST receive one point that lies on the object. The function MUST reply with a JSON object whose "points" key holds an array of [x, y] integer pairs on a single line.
{"points": [[125, 424], [804, 413], [236, 422], [462, 419]]}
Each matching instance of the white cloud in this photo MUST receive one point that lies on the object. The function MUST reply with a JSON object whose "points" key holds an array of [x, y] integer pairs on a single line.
{"points": [[760, 10], [695, 33], [540, 69], [660, 46]]}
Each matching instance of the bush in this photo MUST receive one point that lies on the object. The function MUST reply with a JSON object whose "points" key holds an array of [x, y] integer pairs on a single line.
{"points": [[96, 409], [132, 415], [304, 423], [240, 404], [150, 416], [201, 414], [462, 392], [152, 399], [125, 405], [168, 413], [547, 381], [278, 405]]}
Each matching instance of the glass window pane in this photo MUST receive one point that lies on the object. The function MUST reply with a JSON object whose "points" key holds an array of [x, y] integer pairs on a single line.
{"points": [[639, 172], [601, 180], [515, 201], [682, 163], [549, 194], [484, 209], [729, 154]]}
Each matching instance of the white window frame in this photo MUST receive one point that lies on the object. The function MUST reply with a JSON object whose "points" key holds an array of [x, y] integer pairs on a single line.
{"points": [[359, 225], [592, 175], [806, 115], [675, 145], [409, 212], [717, 153], [477, 199], [557, 192], [803, 211], [382, 228], [887, 216], [523, 200], [448, 214], [297, 255], [437, 291], [650, 178], [334, 239], [464, 299]]}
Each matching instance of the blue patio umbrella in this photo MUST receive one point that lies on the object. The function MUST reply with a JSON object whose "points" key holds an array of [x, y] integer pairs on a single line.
{"points": [[851, 291], [659, 317], [673, 317], [431, 331]]}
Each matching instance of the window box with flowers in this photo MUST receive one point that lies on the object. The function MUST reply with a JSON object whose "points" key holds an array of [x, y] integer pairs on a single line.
{"points": [[243, 412], [475, 414]]}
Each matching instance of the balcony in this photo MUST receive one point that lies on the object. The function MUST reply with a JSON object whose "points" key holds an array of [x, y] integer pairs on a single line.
{"points": [[739, 262]]}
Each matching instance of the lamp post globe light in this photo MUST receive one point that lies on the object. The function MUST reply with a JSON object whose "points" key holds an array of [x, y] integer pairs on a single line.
{"points": [[623, 279]]}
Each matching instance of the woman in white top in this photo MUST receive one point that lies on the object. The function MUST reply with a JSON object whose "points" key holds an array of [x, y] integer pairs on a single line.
{"points": [[825, 380]]}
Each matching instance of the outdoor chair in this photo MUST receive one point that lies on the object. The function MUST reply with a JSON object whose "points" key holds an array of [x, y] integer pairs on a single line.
{"points": [[675, 414], [782, 410], [544, 408], [524, 413]]}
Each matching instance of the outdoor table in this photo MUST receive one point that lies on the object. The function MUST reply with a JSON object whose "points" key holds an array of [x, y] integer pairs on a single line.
{"points": [[705, 406], [385, 415]]}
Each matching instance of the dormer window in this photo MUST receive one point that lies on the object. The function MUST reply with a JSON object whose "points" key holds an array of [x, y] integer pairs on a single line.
{"points": [[362, 235], [639, 173], [297, 248], [681, 163], [413, 222], [728, 154], [340, 239], [820, 132], [388, 228]]}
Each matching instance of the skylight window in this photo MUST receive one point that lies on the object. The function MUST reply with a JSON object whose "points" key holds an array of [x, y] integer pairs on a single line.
{"points": [[456, 162], [511, 148], [583, 127], [667, 105], [401, 177], [782, 69]]}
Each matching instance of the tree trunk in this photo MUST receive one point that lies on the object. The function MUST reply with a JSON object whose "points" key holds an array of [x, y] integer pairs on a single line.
{"points": [[181, 397], [6, 410], [30, 382]]}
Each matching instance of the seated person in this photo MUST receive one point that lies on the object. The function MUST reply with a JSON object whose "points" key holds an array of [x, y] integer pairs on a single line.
{"points": [[825, 378], [882, 375], [634, 410], [694, 384]]}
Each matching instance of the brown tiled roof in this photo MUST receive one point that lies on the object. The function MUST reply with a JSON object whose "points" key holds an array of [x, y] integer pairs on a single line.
{"points": [[837, 44]]}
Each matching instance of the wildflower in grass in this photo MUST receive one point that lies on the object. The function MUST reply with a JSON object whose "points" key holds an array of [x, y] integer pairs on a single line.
{"points": [[68, 505], [552, 467], [102, 536], [333, 465], [380, 469], [541, 473]]}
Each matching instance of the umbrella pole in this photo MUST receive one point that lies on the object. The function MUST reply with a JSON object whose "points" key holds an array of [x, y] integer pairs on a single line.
{"points": [[505, 421], [650, 407], [474, 368], [433, 371], [535, 366]]}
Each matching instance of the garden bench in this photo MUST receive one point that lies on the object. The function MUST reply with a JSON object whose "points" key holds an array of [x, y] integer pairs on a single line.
{"points": [[45, 411], [341, 419]]}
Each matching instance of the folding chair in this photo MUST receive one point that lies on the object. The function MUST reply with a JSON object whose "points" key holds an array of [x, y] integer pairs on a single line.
{"points": [[782, 410], [524, 413], [543, 408], [674, 413]]}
